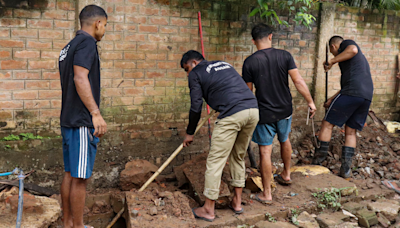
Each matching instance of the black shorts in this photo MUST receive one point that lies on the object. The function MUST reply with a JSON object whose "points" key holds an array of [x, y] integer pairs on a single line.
{"points": [[349, 110]]}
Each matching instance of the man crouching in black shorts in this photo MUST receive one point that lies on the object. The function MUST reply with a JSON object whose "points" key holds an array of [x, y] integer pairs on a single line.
{"points": [[350, 105]]}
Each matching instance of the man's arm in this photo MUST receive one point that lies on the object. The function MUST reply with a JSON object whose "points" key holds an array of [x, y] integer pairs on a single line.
{"points": [[302, 87], [196, 103], [84, 90], [329, 101], [250, 85], [347, 54]]}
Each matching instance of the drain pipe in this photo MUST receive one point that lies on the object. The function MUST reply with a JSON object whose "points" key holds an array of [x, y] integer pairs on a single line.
{"points": [[21, 177], [15, 171]]}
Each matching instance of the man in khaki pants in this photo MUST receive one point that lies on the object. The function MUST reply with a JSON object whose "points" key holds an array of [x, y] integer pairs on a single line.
{"points": [[225, 91]]}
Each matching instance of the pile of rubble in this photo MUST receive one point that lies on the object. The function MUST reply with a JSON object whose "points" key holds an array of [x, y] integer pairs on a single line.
{"points": [[377, 154]]}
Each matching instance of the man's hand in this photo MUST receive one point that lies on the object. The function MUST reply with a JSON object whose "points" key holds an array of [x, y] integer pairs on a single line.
{"points": [[100, 126], [327, 66], [188, 140], [313, 109], [328, 103]]}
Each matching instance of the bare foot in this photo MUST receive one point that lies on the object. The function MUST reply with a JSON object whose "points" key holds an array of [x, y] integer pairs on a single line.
{"points": [[265, 196], [236, 204], [69, 224], [285, 176], [202, 212]]}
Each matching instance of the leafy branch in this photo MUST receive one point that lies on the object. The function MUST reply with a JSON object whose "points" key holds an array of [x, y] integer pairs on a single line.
{"points": [[298, 8]]}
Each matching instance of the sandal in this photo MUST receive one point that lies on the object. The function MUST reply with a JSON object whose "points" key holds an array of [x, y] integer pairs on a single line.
{"points": [[391, 186], [236, 212], [278, 178], [256, 198], [199, 217]]}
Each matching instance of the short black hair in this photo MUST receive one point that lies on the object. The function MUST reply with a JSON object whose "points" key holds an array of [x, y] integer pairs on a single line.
{"points": [[89, 12], [335, 39], [191, 55], [261, 31]]}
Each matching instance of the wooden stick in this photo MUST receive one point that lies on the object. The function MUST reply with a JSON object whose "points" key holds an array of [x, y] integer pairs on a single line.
{"points": [[173, 155], [116, 218]]}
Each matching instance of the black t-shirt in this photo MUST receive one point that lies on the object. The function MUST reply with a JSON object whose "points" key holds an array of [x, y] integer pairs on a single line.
{"points": [[80, 51], [356, 76], [221, 87], [268, 70]]}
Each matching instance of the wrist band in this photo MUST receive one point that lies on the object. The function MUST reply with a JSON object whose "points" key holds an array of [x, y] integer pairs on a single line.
{"points": [[94, 111]]}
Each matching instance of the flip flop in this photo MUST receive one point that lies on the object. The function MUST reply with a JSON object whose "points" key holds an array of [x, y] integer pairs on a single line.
{"points": [[236, 212], [391, 186], [199, 217], [256, 198], [281, 181]]}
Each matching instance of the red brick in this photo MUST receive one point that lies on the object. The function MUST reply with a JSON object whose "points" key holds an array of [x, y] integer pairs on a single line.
{"points": [[112, 92], [26, 75], [155, 74], [116, 18], [5, 96], [157, 38], [149, 10], [125, 27], [4, 32], [4, 54], [144, 82], [13, 65], [135, 37], [157, 91], [60, 44], [126, 9], [49, 94], [136, 19], [174, 57], [147, 47], [167, 65], [11, 104], [36, 104], [20, 13], [11, 43], [133, 91], [148, 28], [39, 84], [137, 74], [32, 33], [46, 113], [45, 64], [133, 55], [180, 21], [111, 55], [27, 54], [171, 12], [11, 22], [146, 65], [40, 24], [159, 20], [51, 75], [71, 15], [25, 95], [5, 75], [142, 2], [37, 44], [11, 85], [5, 114], [125, 46], [124, 64], [64, 24], [55, 14], [50, 54], [55, 104], [156, 56], [111, 74], [51, 34], [165, 83], [66, 5], [168, 30]]}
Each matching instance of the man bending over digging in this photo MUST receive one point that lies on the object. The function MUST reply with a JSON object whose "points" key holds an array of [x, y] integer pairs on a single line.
{"points": [[225, 91]]}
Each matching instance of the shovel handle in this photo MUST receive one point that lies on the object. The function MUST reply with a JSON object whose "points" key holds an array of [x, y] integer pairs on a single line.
{"points": [[174, 154]]}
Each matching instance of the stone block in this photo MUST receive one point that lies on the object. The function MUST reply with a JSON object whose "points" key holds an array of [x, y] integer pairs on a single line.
{"points": [[30, 204], [330, 220], [352, 207], [389, 209], [307, 221], [383, 220], [266, 224], [135, 174], [367, 218]]}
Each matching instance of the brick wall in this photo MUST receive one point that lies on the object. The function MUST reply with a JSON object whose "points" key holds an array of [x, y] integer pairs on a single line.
{"points": [[377, 34]]}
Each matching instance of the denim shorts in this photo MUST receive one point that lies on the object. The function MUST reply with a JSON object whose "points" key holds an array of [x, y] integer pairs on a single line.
{"points": [[264, 133]]}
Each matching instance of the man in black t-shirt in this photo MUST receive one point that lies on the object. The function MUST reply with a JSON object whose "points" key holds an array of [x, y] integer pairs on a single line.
{"points": [[224, 90], [268, 70], [81, 121], [350, 105]]}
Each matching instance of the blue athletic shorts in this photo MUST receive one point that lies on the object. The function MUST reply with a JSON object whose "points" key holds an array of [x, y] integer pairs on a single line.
{"points": [[264, 133], [79, 150], [349, 110]]}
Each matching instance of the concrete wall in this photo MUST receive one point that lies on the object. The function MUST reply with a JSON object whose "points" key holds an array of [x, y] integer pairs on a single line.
{"points": [[145, 99]]}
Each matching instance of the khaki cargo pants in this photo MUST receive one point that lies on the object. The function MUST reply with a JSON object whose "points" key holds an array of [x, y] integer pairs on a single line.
{"points": [[230, 139]]}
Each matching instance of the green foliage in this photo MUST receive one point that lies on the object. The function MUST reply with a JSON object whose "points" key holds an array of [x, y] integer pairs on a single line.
{"points": [[270, 218], [10, 138], [298, 8], [329, 198], [7, 147], [23, 136], [295, 214], [373, 4]]}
